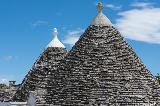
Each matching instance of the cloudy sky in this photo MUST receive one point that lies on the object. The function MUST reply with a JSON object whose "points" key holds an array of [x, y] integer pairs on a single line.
{"points": [[26, 27]]}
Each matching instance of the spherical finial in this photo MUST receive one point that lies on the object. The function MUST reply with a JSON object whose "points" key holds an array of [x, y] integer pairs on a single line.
{"points": [[55, 32], [55, 29], [100, 6]]}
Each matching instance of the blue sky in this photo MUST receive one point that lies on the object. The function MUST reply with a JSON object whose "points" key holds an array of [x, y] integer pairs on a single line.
{"points": [[26, 27]]}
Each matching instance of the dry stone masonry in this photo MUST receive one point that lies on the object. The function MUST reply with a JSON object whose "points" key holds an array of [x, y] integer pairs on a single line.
{"points": [[100, 70], [103, 70], [40, 79]]}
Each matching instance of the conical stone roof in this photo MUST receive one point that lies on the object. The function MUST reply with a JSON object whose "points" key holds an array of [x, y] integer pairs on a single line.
{"points": [[103, 70], [39, 80]]}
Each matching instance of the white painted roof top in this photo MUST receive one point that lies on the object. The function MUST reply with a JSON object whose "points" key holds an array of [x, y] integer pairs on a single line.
{"points": [[101, 19], [55, 41]]}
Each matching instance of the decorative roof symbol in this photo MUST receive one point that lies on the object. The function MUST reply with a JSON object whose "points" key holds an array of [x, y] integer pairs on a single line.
{"points": [[100, 7]]}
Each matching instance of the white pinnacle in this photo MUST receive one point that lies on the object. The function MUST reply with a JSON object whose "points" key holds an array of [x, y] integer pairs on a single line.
{"points": [[55, 41], [101, 19]]}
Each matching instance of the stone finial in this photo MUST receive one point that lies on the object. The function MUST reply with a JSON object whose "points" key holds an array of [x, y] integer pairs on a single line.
{"points": [[100, 6], [101, 19]]}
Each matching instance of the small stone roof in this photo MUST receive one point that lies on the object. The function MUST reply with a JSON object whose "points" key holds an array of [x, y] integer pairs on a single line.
{"points": [[39, 79]]}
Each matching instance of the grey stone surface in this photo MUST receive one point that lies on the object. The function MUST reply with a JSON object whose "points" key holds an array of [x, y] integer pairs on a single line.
{"points": [[40, 79], [31, 100], [5, 104], [102, 69], [7, 93]]}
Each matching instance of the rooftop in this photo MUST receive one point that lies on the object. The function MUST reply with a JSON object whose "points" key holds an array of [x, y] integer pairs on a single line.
{"points": [[55, 41]]}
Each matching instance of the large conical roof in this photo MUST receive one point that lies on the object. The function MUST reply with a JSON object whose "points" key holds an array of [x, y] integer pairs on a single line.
{"points": [[103, 70], [39, 80]]}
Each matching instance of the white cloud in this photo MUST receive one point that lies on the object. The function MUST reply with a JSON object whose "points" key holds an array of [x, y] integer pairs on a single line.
{"points": [[73, 36], [113, 7], [7, 58], [140, 24], [142, 4], [39, 23]]}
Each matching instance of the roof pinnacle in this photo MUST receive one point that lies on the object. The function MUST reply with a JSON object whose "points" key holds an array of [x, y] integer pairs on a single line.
{"points": [[55, 41], [100, 6], [101, 19]]}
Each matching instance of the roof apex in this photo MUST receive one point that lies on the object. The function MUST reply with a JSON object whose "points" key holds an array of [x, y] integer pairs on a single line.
{"points": [[101, 19], [55, 41]]}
